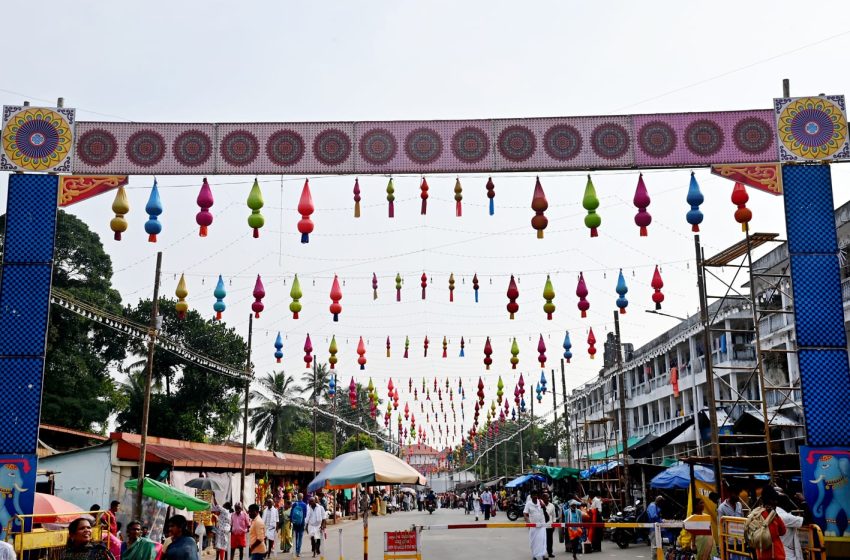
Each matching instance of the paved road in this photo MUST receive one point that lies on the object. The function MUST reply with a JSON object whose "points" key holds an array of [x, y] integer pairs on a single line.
{"points": [[465, 544]]}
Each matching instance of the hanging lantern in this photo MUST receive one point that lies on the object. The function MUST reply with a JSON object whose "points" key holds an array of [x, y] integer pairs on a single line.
{"points": [[425, 345], [581, 292], [154, 209], [259, 293], [374, 286], [514, 354], [204, 218], [406, 348], [220, 293], [361, 352], [451, 287], [332, 387], [591, 340], [657, 284], [500, 389], [121, 206], [278, 348], [458, 198], [743, 215], [541, 352], [539, 204], [391, 198], [336, 295], [539, 390], [295, 294], [305, 208], [461, 356], [388, 347], [548, 295], [423, 281], [591, 203], [488, 351], [475, 286], [542, 383], [445, 350], [398, 287], [491, 194], [406, 411], [182, 293], [513, 294], [480, 394], [641, 201], [423, 194], [694, 198], [255, 203], [395, 399], [352, 393], [621, 290], [332, 351], [390, 388], [357, 198], [308, 352]]}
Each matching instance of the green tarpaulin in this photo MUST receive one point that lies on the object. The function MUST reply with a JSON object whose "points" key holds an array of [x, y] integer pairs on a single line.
{"points": [[168, 495], [557, 473], [613, 452]]}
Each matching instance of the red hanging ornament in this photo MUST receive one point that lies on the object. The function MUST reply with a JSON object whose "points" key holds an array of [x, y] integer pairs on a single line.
{"points": [[657, 284], [352, 393], [336, 295], [488, 351], [480, 394], [356, 198], [539, 204], [743, 215], [475, 286], [305, 208], [390, 388], [541, 352], [581, 292], [374, 286], [591, 340], [361, 353], [308, 350], [425, 345], [513, 294], [423, 187], [423, 281], [259, 293], [641, 201]]}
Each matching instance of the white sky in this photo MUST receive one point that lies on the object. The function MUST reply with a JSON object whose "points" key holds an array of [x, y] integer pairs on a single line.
{"points": [[193, 61]]}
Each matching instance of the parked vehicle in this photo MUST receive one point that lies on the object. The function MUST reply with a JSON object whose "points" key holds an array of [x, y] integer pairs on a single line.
{"points": [[430, 505], [630, 514], [514, 510]]}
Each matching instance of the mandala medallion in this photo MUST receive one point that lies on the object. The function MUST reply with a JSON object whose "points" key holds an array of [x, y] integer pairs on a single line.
{"points": [[704, 137], [470, 144], [753, 135], [332, 147], [239, 148], [610, 141], [37, 139], [378, 146], [562, 142], [517, 143], [285, 147], [145, 148], [97, 147], [423, 145], [192, 148], [812, 128], [657, 139]]}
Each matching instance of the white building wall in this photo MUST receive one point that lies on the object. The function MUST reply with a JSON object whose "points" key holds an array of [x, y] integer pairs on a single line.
{"points": [[82, 477]]}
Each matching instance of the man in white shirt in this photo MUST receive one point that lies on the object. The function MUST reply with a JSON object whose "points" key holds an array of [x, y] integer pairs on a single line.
{"points": [[316, 517], [791, 538], [7, 551], [533, 513], [486, 503], [476, 503], [270, 519]]}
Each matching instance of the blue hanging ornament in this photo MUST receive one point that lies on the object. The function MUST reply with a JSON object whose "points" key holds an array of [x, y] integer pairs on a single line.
{"points": [[522, 405], [332, 386], [539, 391], [567, 345], [542, 384], [723, 343], [219, 294], [461, 348], [154, 209], [278, 345], [622, 290], [694, 198], [513, 414]]}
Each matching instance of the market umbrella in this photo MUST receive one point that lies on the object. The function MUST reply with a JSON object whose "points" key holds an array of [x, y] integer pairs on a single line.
{"points": [[167, 494], [407, 491], [52, 509], [366, 466], [204, 483]]}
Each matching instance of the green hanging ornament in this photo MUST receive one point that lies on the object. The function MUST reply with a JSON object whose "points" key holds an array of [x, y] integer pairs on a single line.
{"points": [[295, 294], [391, 197], [500, 389], [591, 203], [332, 350], [548, 295], [255, 203], [514, 354], [398, 287]]}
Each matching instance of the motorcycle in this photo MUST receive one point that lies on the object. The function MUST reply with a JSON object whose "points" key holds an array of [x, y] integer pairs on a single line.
{"points": [[623, 536], [514, 511], [430, 505]]}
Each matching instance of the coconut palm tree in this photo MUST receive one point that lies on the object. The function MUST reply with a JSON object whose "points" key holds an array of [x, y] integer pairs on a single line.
{"points": [[278, 411], [316, 383]]}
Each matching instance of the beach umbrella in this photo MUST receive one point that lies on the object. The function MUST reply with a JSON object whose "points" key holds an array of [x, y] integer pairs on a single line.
{"points": [[368, 466], [53, 509]]}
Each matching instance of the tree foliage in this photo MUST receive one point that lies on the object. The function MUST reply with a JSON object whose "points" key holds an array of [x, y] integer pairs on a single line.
{"points": [[301, 442], [358, 441], [279, 411]]}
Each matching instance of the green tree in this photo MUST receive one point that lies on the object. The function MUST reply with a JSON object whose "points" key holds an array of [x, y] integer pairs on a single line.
{"points": [[358, 441], [315, 383], [78, 389], [278, 411], [301, 442]]}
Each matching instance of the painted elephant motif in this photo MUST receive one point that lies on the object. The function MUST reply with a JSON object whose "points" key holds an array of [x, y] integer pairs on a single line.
{"points": [[10, 487], [833, 475]]}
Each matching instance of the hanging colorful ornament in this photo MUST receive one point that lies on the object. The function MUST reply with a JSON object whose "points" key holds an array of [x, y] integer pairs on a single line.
{"points": [[539, 391], [488, 351], [461, 356], [295, 294], [514, 354], [406, 411], [395, 399], [542, 383], [500, 389], [423, 194], [220, 293], [182, 293], [278, 348], [491, 194], [541, 352], [154, 209], [204, 218], [475, 286], [352, 393], [406, 347], [581, 292], [539, 204], [332, 351], [445, 350], [398, 287], [357, 198], [591, 340], [332, 387], [121, 206], [743, 215], [591, 203], [451, 287], [622, 290], [305, 208], [374, 286], [694, 198], [308, 352], [390, 388], [255, 203], [568, 355], [480, 394], [259, 293], [641, 201], [391, 198], [657, 283], [425, 344], [361, 353], [548, 295], [458, 198], [423, 281], [388, 347], [336, 295], [513, 294]]}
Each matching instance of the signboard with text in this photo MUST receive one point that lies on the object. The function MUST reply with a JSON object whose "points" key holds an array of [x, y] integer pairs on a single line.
{"points": [[401, 544]]}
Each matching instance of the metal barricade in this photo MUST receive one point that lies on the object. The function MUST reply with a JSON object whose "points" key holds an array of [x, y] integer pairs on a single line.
{"points": [[42, 543], [733, 545]]}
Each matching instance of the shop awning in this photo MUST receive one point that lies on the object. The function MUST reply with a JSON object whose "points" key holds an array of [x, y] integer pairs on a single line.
{"points": [[524, 479], [755, 418], [557, 473], [614, 451], [679, 476], [494, 483], [600, 469], [647, 448]]}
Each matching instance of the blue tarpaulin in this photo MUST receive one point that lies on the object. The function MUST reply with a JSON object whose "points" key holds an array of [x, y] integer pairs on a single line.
{"points": [[679, 476], [520, 480], [599, 469]]}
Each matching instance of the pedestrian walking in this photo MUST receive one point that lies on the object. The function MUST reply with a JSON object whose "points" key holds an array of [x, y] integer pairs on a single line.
{"points": [[550, 514], [534, 512], [487, 503], [256, 534], [222, 530], [298, 517], [574, 534], [270, 520], [653, 515], [476, 504], [239, 525], [596, 533], [286, 526], [315, 525], [183, 545]]}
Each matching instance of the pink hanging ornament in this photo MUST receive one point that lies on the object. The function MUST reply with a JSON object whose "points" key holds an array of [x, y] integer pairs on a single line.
{"points": [[513, 294], [308, 350], [361, 353], [591, 340], [423, 188], [305, 208], [581, 292], [541, 352], [204, 218], [423, 281], [374, 286], [259, 293], [641, 201]]}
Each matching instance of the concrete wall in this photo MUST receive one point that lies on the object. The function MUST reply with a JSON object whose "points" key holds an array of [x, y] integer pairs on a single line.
{"points": [[82, 477]]}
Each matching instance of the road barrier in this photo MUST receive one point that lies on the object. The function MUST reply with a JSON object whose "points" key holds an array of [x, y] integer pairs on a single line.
{"points": [[733, 545]]}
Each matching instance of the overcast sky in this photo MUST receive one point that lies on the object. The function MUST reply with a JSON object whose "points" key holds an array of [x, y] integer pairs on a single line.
{"points": [[193, 61]]}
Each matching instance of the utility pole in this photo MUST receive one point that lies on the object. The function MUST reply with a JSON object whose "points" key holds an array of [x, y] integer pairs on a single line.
{"points": [[245, 412], [315, 404], [555, 423], [624, 421], [152, 332], [569, 449]]}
